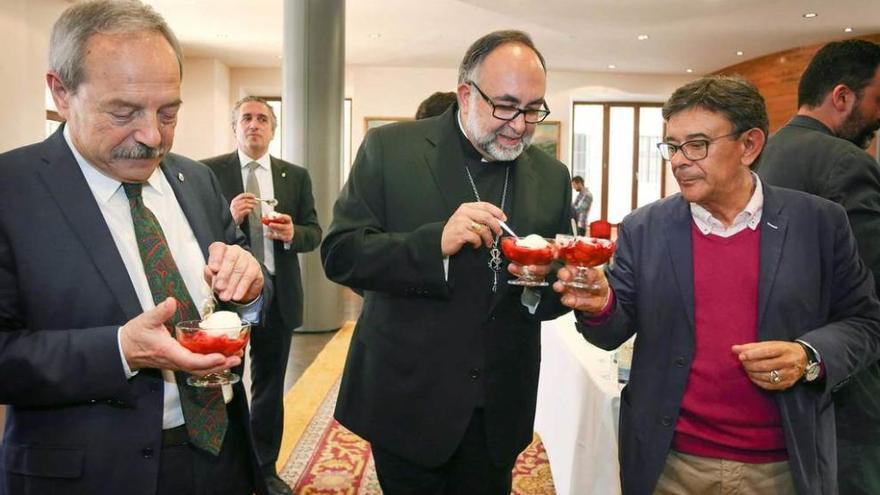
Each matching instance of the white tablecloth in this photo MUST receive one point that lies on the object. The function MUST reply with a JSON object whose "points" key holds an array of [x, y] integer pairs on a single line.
{"points": [[578, 407]]}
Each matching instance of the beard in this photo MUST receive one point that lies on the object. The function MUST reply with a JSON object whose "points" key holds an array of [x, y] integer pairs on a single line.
{"points": [[139, 151], [487, 140], [858, 129]]}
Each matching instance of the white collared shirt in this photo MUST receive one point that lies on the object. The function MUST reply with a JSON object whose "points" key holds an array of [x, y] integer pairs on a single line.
{"points": [[267, 191], [160, 199], [750, 217]]}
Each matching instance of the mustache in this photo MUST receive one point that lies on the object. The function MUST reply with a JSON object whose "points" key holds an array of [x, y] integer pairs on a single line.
{"points": [[139, 151]]}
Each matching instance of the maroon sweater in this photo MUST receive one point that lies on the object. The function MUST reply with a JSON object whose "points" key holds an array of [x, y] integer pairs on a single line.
{"points": [[723, 414]]}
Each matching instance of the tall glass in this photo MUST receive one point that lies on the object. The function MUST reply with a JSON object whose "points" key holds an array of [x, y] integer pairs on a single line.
{"points": [[226, 341]]}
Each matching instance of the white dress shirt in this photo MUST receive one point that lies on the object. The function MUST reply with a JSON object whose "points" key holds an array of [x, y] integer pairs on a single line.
{"points": [[267, 191], [160, 199], [750, 217]]}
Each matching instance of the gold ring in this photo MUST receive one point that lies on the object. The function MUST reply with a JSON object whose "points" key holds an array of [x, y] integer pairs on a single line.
{"points": [[775, 376], [475, 227]]}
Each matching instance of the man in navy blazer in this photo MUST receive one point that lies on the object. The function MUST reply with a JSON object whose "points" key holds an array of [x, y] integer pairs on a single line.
{"points": [[749, 303], [86, 359], [294, 229]]}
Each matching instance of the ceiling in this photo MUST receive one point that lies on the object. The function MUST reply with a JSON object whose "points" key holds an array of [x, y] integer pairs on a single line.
{"points": [[578, 35]]}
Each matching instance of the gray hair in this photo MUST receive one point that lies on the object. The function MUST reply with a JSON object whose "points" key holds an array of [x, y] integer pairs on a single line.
{"points": [[80, 22], [734, 97], [481, 48], [246, 99]]}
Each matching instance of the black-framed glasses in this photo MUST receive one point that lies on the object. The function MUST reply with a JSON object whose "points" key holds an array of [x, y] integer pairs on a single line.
{"points": [[695, 149], [508, 112]]}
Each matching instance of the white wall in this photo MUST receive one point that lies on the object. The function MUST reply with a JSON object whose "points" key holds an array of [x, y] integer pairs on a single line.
{"points": [[247, 81], [203, 128], [24, 33]]}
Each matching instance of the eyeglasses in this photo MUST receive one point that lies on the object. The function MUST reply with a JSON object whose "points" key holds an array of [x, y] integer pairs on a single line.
{"points": [[508, 112], [696, 149]]}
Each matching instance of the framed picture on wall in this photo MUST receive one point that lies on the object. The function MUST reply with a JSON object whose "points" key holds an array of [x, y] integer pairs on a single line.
{"points": [[373, 122], [547, 137]]}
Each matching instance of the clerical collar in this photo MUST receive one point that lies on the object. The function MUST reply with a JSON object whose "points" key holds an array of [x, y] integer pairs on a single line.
{"points": [[466, 145]]}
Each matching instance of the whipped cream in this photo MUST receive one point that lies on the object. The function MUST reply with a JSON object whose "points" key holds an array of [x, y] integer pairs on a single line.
{"points": [[532, 241]]}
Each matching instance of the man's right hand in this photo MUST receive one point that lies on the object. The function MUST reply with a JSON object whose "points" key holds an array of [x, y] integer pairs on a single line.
{"points": [[472, 223], [588, 301], [146, 343], [242, 206]]}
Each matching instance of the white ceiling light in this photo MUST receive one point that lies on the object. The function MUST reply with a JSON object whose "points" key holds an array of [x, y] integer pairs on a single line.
{"points": [[689, 71], [847, 30], [810, 15], [739, 53], [375, 36], [642, 37], [612, 66]]}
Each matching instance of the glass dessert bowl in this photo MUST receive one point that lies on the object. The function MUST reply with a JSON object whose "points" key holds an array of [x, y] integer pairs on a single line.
{"points": [[528, 252], [583, 253], [271, 217], [221, 332]]}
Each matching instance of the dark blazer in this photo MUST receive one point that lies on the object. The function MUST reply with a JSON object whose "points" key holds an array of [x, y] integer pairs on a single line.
{"points": [[414, 376], [812, 286], [805, 155], [293, 190], [74, 424]]}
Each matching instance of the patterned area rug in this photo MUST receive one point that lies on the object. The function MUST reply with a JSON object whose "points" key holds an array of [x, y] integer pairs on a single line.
{"points": [[327, 459]]}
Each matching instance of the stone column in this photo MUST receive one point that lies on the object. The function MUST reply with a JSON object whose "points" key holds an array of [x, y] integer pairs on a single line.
{"points": [[313, 72]]}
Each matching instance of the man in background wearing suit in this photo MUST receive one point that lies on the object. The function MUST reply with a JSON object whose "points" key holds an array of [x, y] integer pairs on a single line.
{"points": [[821, 151], [749, 303], [107, 240], [442, 373], [436, 104], [252, 180]]}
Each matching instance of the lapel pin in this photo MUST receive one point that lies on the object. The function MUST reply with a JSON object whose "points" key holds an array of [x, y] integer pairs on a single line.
{"points": [[180, 176], [283, 174]]}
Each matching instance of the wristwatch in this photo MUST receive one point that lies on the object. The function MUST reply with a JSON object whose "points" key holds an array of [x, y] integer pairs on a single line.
{"points": [[811, 372]]}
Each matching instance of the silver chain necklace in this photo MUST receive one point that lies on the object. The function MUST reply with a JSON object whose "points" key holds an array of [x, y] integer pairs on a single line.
{"points": [[494, 252]]}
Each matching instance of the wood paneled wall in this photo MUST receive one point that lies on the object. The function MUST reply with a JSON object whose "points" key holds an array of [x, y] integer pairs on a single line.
{"points": [[777, 75]]}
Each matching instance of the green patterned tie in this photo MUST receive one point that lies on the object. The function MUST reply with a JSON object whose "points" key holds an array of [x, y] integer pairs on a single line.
{"points": [[203, 408]]}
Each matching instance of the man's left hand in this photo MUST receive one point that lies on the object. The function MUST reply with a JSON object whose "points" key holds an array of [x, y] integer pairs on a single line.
{"points": [[774, 364], [280, 228], [236, 273]]}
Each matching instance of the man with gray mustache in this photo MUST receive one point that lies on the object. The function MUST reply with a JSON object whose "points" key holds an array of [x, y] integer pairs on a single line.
{"points": [[106, 241], [138, 151]]}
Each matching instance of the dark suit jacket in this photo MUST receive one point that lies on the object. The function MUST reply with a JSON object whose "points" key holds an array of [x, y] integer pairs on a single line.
{"points": [[75, 425], [412, 378], [806, 156], [812, 286], [293, 190]]}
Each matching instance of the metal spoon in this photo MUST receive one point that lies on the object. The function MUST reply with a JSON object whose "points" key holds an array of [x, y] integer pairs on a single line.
{"points": [[271, 202], [508, 229], [209, 304]]}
